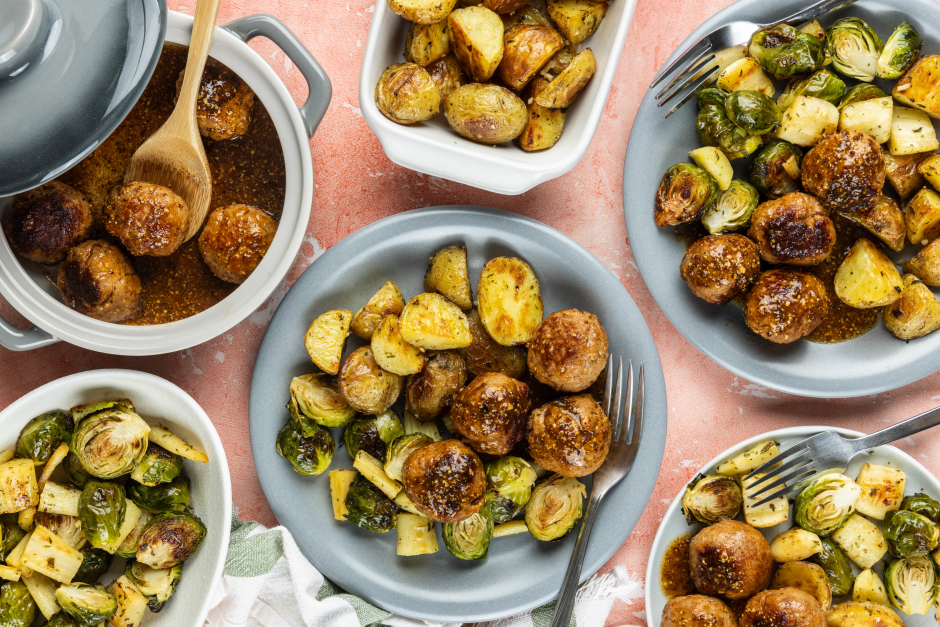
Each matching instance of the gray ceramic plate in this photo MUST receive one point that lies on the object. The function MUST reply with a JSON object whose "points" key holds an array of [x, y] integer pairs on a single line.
{"points": [[873, 363], [519, 573]]}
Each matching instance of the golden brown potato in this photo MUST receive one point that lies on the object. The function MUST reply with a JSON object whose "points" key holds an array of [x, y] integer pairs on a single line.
{"points": [[486, 355], [393, 353], [915, 314], [528, 48], [785, 305], [490, 413], [98, 280], [867, 277], [570, 81], [427, 43], [388, 301], [149, 219], [47, 221], [445, 481], [325, 339], [509, 300], [920, 86], [422, 11], [577, 19], [365, 386], [570, 436], [488, 114], [448, 276], [922, 217], [926, 264], [885, 221], [447, 75], [477, 40], [929, 167], [787, 607], [795, 545], [569, 350], [406, 94], [807, 577], [504, 6], [863, 614], [432, 390], [544, 126], [730, 558], [903, 172], [794, 229], [846, 171], [697, 610], [526, 15], [432, 322], [718, 268]]}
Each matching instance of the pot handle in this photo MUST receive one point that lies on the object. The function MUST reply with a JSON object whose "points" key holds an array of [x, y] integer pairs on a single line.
{"points": [[15, 339], [318, 83]]}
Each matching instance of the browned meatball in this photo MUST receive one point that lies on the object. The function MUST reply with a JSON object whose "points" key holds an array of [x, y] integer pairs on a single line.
{"points": [[432, 390], [98, 280], [786, 607], [486, 355], [490, 413], [730, 558], [568, 350], [223, 108], [719, 267], [697, 610], [845, 170], [445, 481], [794, 229], [149, 219], [785, 305], [45, 222], [365, 386], [570, 436], [235, 240]]}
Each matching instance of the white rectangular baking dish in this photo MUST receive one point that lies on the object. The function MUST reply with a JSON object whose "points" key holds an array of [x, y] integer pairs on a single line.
{"points": [[433, 148]]}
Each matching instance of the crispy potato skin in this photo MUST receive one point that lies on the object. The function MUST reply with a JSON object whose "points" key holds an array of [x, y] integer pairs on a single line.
{"points": [[509, 300], [577, 19], [432, 390], [718, 268], [445, 481], [427, 43], [569, 350], [863, 614], [488, 114], [392, 353], [423, 11], [406, 94], [490, 413], [794, 229], [477, 40], [810, 578], [486, 355], [544, 126], [562, 90], [365, 386], [787, 607], [504, 6], [527, 48], [785, 305], [884, 220], [388, 301], [697, 610], [921, 86], [235, 240], [526, 15], [730, 558], [98, 280], [846, 171], [570, 436], [47, 221], [448, 275], [926, 264], [446, 74], [903, 174]]}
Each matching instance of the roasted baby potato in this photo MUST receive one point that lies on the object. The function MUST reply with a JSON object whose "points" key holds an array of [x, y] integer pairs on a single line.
{"points": [[490, 413], [488, 114], [915, 314], [922, 217], [577, 19], [326, 338], [447, 75], [432, 390], [926, 264], [509, 300], [427, 43], [448, 275], [867, 277], [929, 168], [365, 386], [562, 90], [422, 11], [785, 305], [388, 301], [432, 322], [810, 578], [559, 62], [920, 86], [528, 48], [544, 126], [863, 614], [885, 221], [746, 74], [476, 35], [526, 15], [485, 355], [569, 350], [911, 132], [904, 174], [393, 353], [787, 606], [504, 6], [795, 545], [406, 94], [807, 120]]}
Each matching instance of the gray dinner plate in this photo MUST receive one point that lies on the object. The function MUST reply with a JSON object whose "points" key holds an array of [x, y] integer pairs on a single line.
{"points": [[873, 363], [519, 573]]}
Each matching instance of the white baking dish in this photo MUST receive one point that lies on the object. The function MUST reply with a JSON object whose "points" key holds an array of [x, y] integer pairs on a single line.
{"points": [[433, 148]]}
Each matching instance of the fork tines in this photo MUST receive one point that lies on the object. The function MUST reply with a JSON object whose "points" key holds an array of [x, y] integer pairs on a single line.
{"points": [[797, 458], [611, 403]]}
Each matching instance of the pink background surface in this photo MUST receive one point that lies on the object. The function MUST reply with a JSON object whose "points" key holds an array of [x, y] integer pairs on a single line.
{"points": [[709, 408]]}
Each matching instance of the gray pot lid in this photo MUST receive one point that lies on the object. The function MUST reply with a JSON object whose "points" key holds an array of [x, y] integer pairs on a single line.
{"points": [[70, 71]]}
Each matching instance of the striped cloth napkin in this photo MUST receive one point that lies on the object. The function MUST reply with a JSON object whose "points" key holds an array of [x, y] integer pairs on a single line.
{"points": [[268, 582]]}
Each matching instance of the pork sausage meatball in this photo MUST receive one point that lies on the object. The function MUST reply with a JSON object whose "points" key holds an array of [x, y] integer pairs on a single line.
{"points": [[445, 481], [235, 240], [719, 267], [223, 107], [98, 280], [490, 413], [45, 222], [697, 610], [365, 386], [570, 436], [730, 558], [794, 229], [846, 171], [568, 350], [785, 305], [149, 219], [432, 390], [786, 607]]}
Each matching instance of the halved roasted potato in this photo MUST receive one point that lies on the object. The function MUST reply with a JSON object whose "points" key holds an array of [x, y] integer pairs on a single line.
{"points": [[915, 314], [920, 86], [509, 300], [795, 545], [903, 172], [577, 19], [863, 614], [807, 577], [406, 94], [388, 301], [326, 338], [922, 217], [477, 40], [422, 11], [807, 120], [745, 74], [528, 48], [486, 355], [432, 322], [570, 81], [447, 75], [911, 132], [884, 220], [504, 6], [867, 277], [544, 126], [392, 353], [427, 43], [526, 15], [929, 168], [448, 275], [488, 114], [926, 264]]}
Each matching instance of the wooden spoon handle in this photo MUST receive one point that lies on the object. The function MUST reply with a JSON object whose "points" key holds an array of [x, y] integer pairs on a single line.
{"points": [[203, 27]]}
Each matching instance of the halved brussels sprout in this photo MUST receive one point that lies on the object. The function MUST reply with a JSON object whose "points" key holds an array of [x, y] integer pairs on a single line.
{"points": [[900, 52], [861, 93], [469, 538], [11, 534], [911, 584], [733, 209], [81, 411], [855, 48], [821, 84], [922, 504], [169, 539], [317, 397], [685, 192], [173, 496], [401, 448], [17, 608], [826, 502], [715, 128], [43, 434], [753, 111], [837, 567], [73, 468], [509, 482], [310, 455], [101, 508], [373, 434], [554, 507], [708, 499], [158, 466], [910, 534], [96, 563], [775, 171], [128, 548], [785, 51], [61, 620], [110, 442], [67, 528], [368, 508], [157, 584], [88, 604]]}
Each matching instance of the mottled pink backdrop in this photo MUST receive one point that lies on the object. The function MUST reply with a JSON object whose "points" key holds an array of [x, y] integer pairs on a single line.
{"points": [[709, 408]]}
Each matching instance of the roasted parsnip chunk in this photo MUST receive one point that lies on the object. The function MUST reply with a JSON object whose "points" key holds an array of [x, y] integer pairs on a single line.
{"points": [[861, 540], [750, 459], [795, 545], [766, 515], [806, 121], [745, 74], [911, 132]]}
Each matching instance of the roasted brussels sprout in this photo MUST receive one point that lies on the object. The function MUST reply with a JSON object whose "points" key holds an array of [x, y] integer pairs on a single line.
{"points": [[909, 534], [826, 502], [368, 508], [169, 539], [173, 496], [110, 442], [43, 434], [900, 52], [308, 456], [17, 608], [775, 170], [785, 51], [158, 466], [911, 584], [73, 468], [861, 93], [11, 534], [837, 567], [854, 47], [88, 604], [61, 620], [921, 504], [822, 84], [401, 448], [715, 128], [733, 208], [509, 483], [67, 528], [96, 563], [554, 507], [685, 192], [317, 396], [101, 509], [468, 539], [128, 546], [708, 499], [373, 434], [753, 111], [157, 584]]}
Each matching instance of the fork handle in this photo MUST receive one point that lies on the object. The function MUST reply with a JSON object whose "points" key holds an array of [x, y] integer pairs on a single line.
{"points": [[815, 10], [926, 420], [569, 589]]}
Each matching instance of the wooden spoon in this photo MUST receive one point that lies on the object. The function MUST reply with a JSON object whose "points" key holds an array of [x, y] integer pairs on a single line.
{"points": [[174, 156]]}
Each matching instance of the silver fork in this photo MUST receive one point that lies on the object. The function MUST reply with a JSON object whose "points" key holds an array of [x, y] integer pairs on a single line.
{"points": [[695, 67], [619, 461], [829, 452]]}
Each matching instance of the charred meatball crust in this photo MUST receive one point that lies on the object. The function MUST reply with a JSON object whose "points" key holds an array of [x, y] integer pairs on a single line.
{"points": [[570, 436], [794, 229], [445, 481], [490, 413], [785, 305], [223, 108], [432, 390], [149, 219], [718, 268], [845, 170], [730, 558], [235, 240], [45, 222], [568, 350], [786, 607], [98, 280], [697, 610]]}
